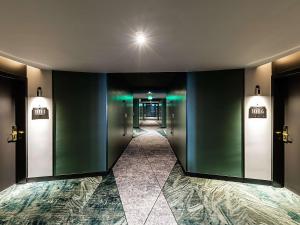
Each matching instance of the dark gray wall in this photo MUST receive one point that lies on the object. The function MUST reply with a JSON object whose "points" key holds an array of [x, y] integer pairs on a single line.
{"points": [[120, 118], [80, 123], [7, 119], [215, 127]]}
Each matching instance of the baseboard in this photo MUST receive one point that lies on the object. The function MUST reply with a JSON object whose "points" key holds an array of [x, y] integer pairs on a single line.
{"points": [[257, 181], [233, 179], [64, 177]]}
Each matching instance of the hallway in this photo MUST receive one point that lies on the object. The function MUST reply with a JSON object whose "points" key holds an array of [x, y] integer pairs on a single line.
{"points": [[150, 112]]}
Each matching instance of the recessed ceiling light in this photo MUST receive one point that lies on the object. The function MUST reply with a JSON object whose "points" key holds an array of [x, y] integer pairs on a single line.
{"points": [[140, 38]]}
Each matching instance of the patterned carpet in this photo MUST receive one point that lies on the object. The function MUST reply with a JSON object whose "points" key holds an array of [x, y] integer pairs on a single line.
{"points": [[162, 132], [76, 201], [204, 201], [138, 131]]}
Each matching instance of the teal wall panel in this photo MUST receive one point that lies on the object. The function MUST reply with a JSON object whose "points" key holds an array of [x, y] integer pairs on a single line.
{"points": [[215, 127], [176, 123], [80, 123], [141, 111], [163, 109], [120, 118], [136, 114]]}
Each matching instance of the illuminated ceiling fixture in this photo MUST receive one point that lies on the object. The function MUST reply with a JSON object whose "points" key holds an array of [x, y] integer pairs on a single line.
{"points": [[140, 38]]}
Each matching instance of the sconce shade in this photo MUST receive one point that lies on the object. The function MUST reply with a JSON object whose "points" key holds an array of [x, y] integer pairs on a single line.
{"points": [[257, 90], [39, 92]]}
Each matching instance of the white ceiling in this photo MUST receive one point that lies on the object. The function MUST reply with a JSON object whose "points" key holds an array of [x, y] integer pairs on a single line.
{"points": [[95, 35]]}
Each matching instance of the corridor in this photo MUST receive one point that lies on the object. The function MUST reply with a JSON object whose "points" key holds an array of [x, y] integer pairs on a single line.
{"points": [[150, 112]]}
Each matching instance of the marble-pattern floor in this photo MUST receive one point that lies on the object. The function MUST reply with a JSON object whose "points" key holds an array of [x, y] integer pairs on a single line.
{"points": [[141, 173]]}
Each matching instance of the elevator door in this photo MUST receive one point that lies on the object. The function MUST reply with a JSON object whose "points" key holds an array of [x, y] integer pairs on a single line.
{"points": [[292, 146], [7, 120]]}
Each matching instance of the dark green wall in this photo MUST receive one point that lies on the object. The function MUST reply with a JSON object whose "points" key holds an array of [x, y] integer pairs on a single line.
{"points": [[215, 110], [176, 123], [120, 118], [141, 108], [80, 123], [136, 117], [163, 108]]}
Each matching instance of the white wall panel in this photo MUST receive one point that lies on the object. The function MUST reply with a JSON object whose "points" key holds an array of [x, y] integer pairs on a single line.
{"points": [[258, 131], [40, 132]]}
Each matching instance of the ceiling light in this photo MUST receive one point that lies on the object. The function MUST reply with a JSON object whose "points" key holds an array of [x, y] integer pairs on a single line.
{"points": [[140, 38]]}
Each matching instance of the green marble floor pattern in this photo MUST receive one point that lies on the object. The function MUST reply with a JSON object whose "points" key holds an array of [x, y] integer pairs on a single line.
{"points": [[162, 132], [193, 201], [196, 201], [85, 201], [138, 131]]}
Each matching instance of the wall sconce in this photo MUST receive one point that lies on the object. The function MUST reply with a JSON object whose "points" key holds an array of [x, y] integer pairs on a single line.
{"points": [[257, 90], [40, 112], [39, 92], [257, 111]]}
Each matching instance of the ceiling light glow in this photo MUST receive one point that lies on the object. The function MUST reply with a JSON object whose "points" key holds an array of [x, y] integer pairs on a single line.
{"points": [[140, 38]]}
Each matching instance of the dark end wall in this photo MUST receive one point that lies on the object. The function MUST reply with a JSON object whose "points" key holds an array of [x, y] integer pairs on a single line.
{"points": [[80, 123], [120, 117], [215, 122]]}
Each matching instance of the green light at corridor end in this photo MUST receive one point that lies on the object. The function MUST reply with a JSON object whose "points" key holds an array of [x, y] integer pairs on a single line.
{"points": [[150, 97]]}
